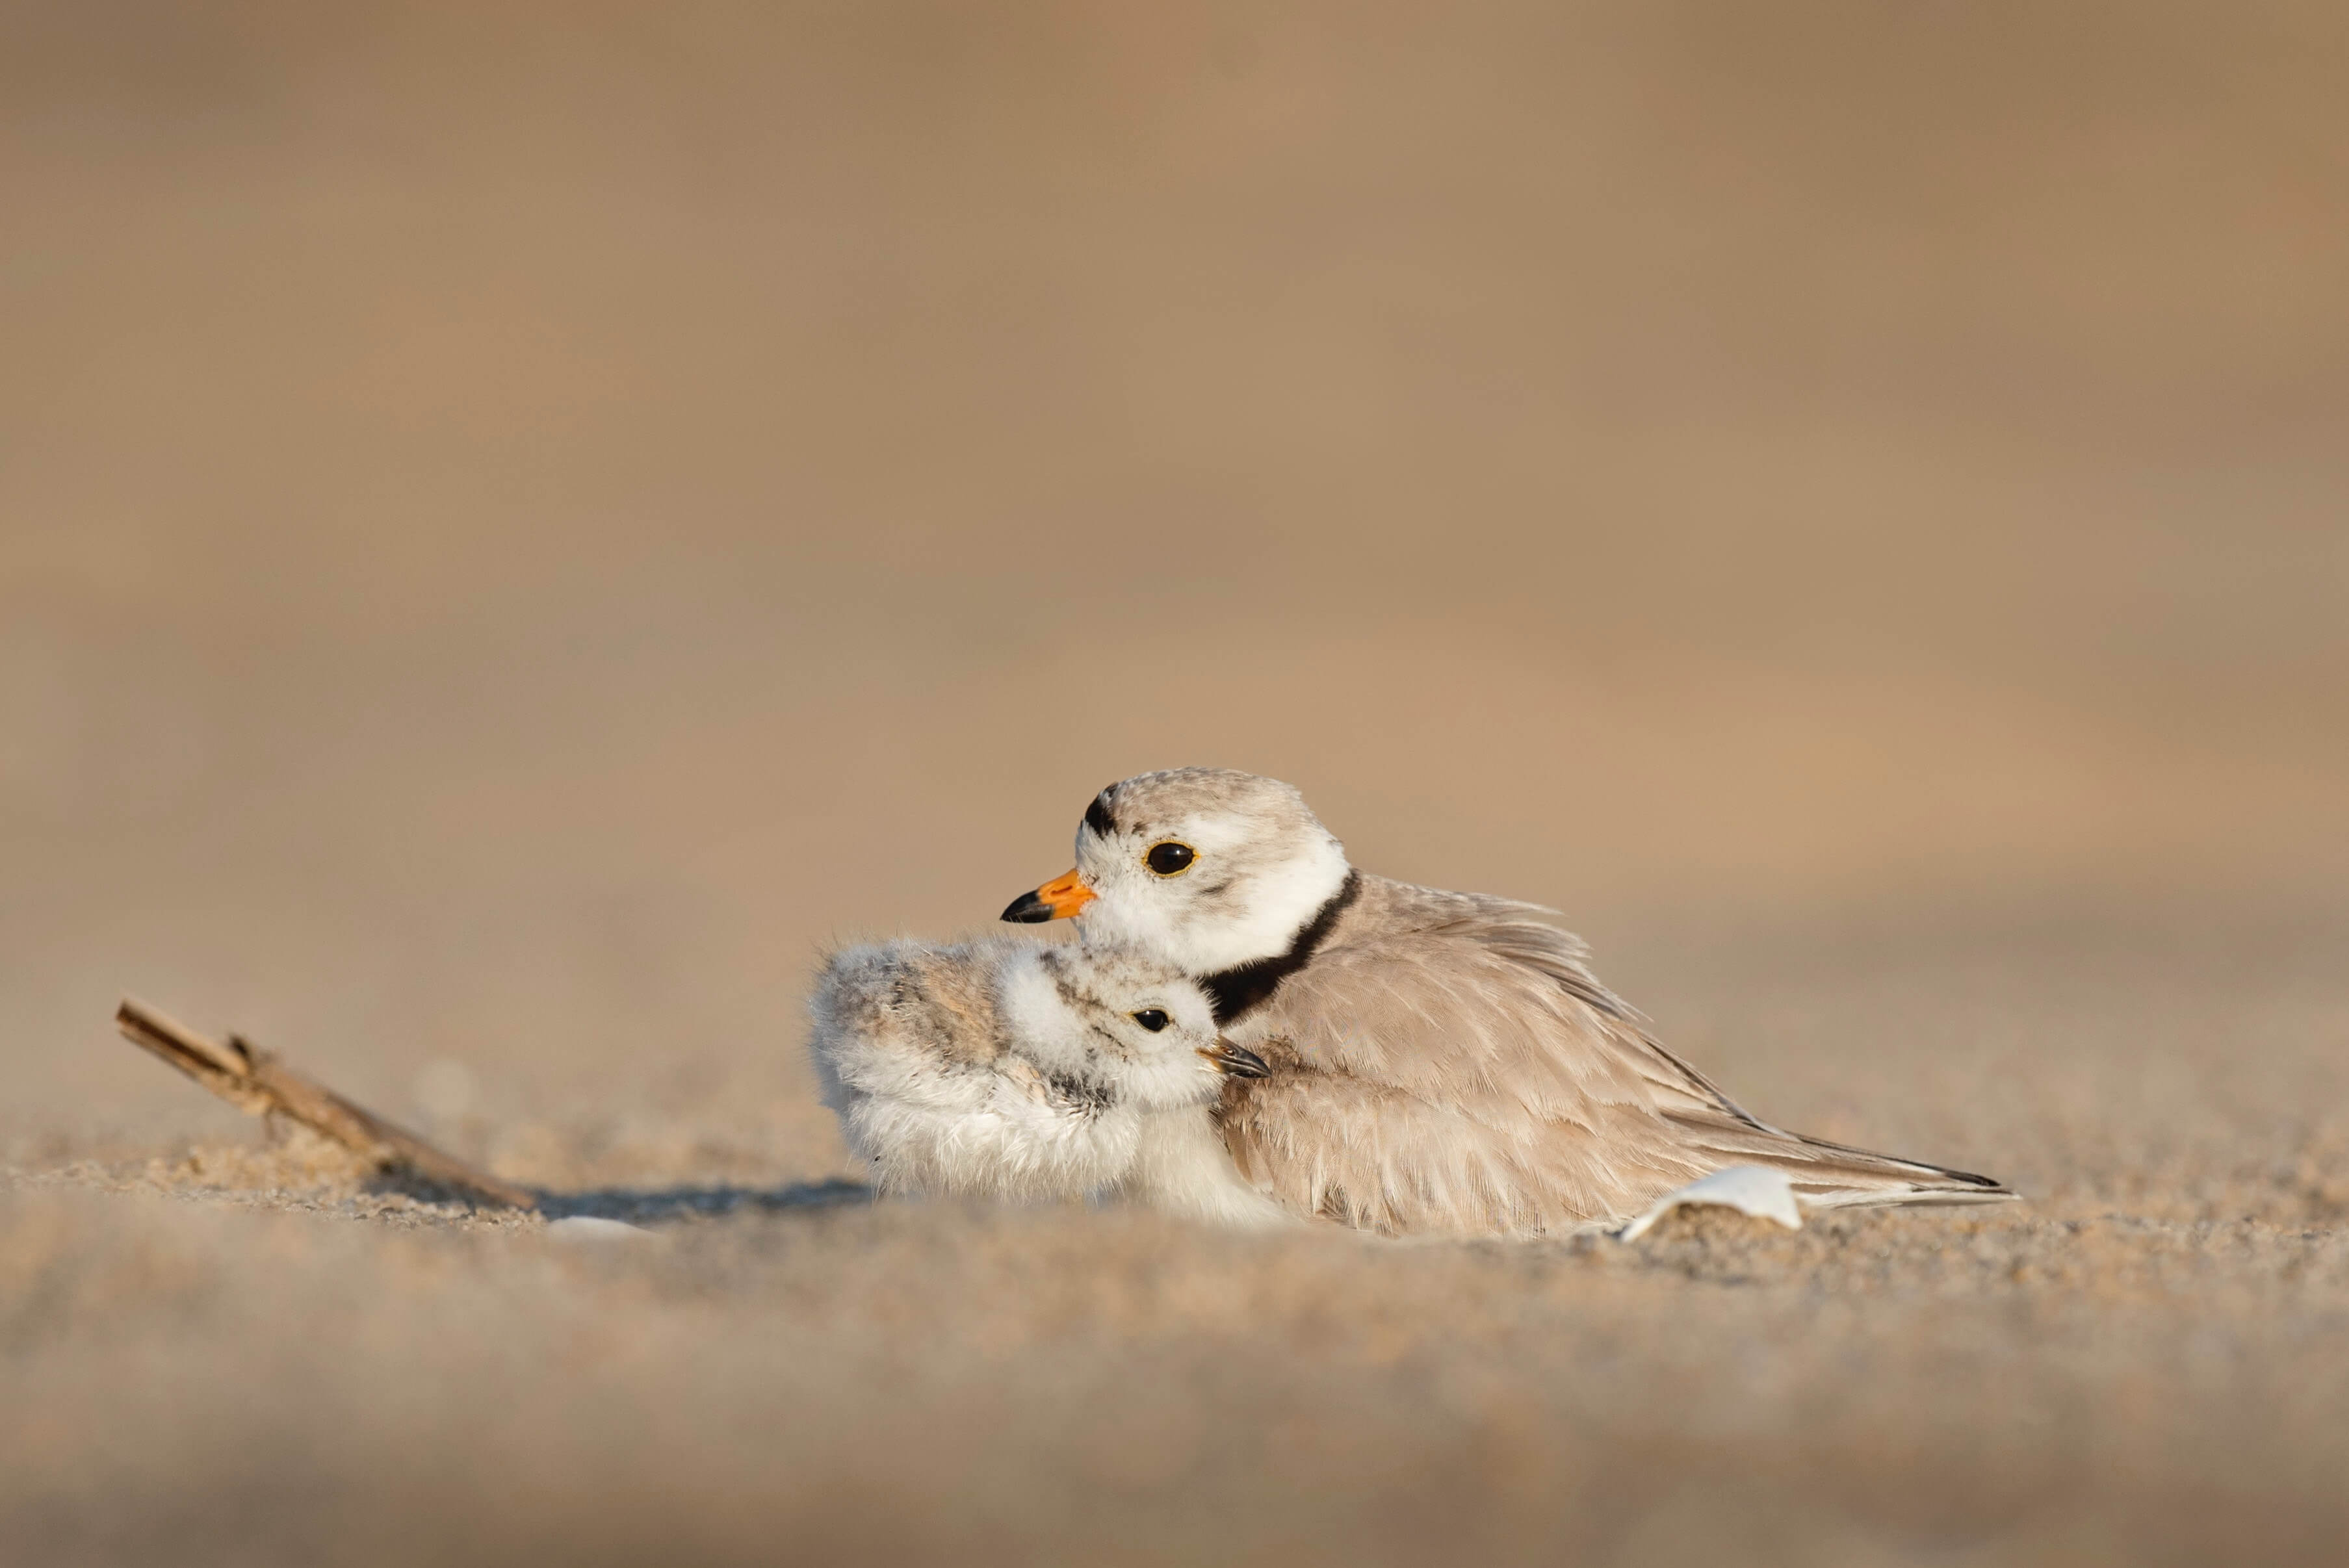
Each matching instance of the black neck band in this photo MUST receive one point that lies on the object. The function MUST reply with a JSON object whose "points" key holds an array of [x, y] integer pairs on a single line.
{"points": [[1244, 988]]}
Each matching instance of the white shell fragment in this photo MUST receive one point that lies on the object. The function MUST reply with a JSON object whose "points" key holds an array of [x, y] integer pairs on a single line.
{"points": [[588, 1228], [1749, 1189]]}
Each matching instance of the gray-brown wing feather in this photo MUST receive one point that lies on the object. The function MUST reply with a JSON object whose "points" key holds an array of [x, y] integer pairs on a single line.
{"points": [[1466, 1073]]}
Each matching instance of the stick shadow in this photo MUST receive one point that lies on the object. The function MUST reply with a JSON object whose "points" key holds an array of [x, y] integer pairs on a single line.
{"points": [[652, 1205], [641, 1205]]}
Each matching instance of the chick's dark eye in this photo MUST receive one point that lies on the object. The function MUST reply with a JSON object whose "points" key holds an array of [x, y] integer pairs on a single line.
{"points": [[1151, 1019], [1169, 858]]}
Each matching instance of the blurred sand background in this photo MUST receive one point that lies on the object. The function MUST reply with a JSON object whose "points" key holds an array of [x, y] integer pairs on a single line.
{"points": [[519, 524]]}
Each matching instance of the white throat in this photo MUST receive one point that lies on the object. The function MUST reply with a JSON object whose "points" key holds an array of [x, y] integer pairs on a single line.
{"points": [[1261, 921]]}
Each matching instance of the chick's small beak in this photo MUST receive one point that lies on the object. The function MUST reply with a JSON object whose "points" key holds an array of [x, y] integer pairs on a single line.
{"points": [[1056, 900], [1236, 1061]]}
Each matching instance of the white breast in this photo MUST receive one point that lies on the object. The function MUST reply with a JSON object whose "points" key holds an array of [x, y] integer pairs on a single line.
{"points": [[1180, 1165]]}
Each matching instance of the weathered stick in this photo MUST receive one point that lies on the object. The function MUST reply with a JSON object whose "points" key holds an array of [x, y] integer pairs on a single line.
{"points": [[254, 1081]]}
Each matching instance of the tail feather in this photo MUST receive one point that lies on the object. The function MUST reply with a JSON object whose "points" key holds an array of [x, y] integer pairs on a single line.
{"points": [[1836, 1176]]}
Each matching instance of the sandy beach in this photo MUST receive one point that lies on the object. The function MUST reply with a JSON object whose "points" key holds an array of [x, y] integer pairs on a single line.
{"points": [[519, 529]]}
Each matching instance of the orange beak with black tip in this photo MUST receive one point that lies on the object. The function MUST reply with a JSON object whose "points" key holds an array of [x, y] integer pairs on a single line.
{"points": [[1056, 900]]}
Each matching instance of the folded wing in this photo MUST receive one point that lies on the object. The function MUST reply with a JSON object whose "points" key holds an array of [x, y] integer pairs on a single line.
{"points": [[1463, 1072]]}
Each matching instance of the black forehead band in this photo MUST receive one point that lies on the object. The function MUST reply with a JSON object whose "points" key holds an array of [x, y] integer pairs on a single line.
{"points": [[1097, 816]]}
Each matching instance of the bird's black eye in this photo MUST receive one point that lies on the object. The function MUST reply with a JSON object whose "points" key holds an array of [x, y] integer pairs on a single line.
{"points": [[1169, 859], [1151, 1019]]}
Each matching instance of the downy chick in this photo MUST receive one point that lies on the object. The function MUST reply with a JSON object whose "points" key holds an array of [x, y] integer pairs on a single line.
{"points": [[1005, 1069]]}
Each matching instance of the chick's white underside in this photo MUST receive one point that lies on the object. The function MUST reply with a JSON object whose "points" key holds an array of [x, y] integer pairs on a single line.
{"points": [[972, 1070]]}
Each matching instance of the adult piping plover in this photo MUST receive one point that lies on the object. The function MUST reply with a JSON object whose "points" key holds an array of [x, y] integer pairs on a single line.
{"points": [[1008, 1070], [1438, 1062]]}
